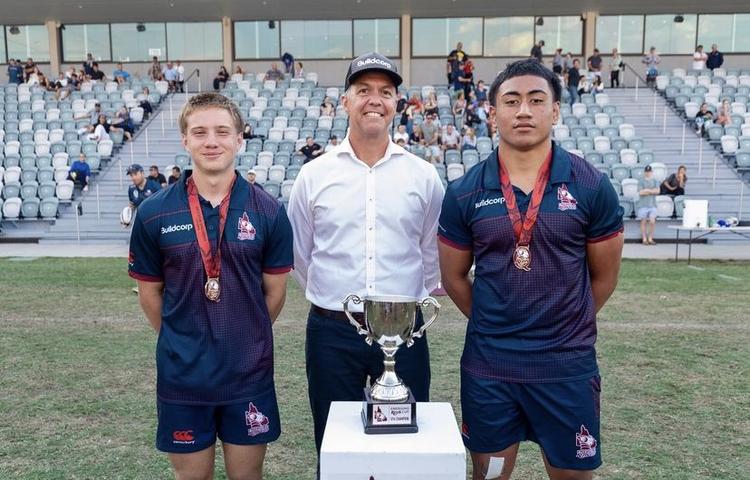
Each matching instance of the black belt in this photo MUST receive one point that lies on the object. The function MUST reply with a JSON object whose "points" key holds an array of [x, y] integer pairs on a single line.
{"points": [[336, 315]]}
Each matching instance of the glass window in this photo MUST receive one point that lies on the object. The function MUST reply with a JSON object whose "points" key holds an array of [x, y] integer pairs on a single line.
{"points": [[561, 32], [508, 36], [194, 41], [78, 40], [379, 35], [741, 33], [317, 38], [130, 45], [256, 39], [30, 41], [3, 59], [729, 32], [437, 37], [623, 32], [669, 36]]}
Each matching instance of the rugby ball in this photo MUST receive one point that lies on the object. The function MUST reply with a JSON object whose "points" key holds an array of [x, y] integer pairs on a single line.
{"points": [[126, 216]]}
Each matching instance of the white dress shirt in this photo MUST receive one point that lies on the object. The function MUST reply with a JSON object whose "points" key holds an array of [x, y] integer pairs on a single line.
{"points": [[362, 230]]}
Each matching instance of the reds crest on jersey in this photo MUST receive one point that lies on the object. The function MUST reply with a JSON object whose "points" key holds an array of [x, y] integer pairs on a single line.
{"points": [[567, 201], [246, 229], [586, 444]]}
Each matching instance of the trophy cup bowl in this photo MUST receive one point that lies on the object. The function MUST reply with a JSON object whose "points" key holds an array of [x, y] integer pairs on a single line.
{"points": [[390, 321]]}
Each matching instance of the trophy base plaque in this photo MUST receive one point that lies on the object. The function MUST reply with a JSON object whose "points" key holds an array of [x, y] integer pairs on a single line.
{"points": [[389, 417]]}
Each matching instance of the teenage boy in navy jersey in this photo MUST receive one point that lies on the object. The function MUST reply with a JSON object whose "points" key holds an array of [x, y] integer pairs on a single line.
{"points": [[545, 230], [211, 255]]}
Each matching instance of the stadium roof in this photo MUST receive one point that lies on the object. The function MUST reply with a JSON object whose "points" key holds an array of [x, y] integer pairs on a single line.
{"points": [[23, 12]]}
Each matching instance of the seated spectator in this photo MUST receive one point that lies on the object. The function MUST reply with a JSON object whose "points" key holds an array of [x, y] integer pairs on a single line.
{"points": [[401, 133], [100, 131], [459, 109], [123, 122], [648, 189], [401, 102], [274, 73], [80, 172], [416, 137], [332, 143], [88, 64], [402, 143], [144, 103], [156, 176], [416, 104], [674, 184], [60, 87], [120, 75], [247, 132], [469, 140], [311, 150], [251, 177], [15, 71], [431, 140], [725, 114], [29, 68], [97, 74], [239, 70], [221, 78], [175, 175], [42, 81], [170, 76], [326, 108], [154, 71], [483, 112], [597, 86], [430, 107], [481, 91], [299, 72], [703, 119], [451, 139]]}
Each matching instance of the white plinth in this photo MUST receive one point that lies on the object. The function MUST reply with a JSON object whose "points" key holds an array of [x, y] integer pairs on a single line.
{"points": [[436, 452]]}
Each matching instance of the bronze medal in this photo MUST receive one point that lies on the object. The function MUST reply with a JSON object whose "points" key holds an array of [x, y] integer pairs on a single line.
{"points": [[522, 258], [212, 289]]}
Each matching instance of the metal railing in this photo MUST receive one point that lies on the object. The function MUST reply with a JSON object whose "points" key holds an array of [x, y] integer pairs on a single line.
{"points": [[196, 73]]}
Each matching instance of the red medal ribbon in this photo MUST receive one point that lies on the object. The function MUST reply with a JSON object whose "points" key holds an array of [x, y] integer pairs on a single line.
{"points": [[522, 225], [212, 263]]}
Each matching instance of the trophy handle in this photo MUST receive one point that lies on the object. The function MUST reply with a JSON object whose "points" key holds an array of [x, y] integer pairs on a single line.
{"points": [[418, 334], [355, 298]]}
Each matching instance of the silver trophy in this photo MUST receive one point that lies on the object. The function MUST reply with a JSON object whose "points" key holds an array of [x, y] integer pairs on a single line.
{"points": [[390, 321]]}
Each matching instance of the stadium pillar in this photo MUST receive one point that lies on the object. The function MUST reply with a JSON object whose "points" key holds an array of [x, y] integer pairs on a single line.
{"points": [[589, 34], [406, 49], [54, 48], [226, 42]]}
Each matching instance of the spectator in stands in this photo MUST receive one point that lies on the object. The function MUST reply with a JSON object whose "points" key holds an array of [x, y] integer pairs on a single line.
{"points": [[416, 137], [175, 176], [97, 74], [648, 189], [431, 134], [239, 70], [471, 120], [430, 106], [615, 64], [469, 140], [311, 150], [326, 108], [332, 143], [101, 130], [416, 103], [251, 176], [123, 122], [145, 103], [80, 172], [557, 62], [142, 187], [156, 176], [597, 86], [536, 51], [483, 112], [29, 68], [450, 138], [221, 78], [703, 118], [60, 87], [455, 58], [594, 63], [481, 91], [715, 58], [567, 62], [402, 143], [459, 110], [288, 60], [400, 102], [652, 61], [247, 132], [88, 64], [674, 184], [170, 76], [573, 80], [120, 75], [154, 71], [401, 133], [274, 73], [299, 72], [180, 76], [466, 77], [699, 58], [15, 71], [725, 114]]}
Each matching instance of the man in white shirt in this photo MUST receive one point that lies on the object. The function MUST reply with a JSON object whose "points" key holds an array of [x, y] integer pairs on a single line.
{"points": [[401, 134], [333, 143], [364, 218]]}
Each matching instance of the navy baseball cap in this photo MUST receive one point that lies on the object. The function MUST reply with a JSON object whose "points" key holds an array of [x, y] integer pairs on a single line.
{"points": [[134, 168], [372, 62], [648, 168]]}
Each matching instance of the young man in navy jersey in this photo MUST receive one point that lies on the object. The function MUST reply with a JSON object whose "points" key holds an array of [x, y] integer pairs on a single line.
{"points": [[545, 230], [211, 255]]}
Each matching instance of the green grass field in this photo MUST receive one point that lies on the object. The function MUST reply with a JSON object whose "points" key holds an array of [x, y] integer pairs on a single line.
{"points": [[77, 375]]}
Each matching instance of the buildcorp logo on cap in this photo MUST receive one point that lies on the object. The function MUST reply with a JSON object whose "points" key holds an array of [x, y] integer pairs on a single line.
{"points": [[373, 61]]}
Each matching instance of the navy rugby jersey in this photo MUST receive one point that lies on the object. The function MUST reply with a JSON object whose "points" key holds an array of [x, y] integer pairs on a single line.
{"points": [[212, 353], [137, 195], [537, 326]]}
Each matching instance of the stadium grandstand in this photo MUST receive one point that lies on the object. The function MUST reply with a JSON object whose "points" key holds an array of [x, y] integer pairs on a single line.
{"points": [[138, 63]]}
